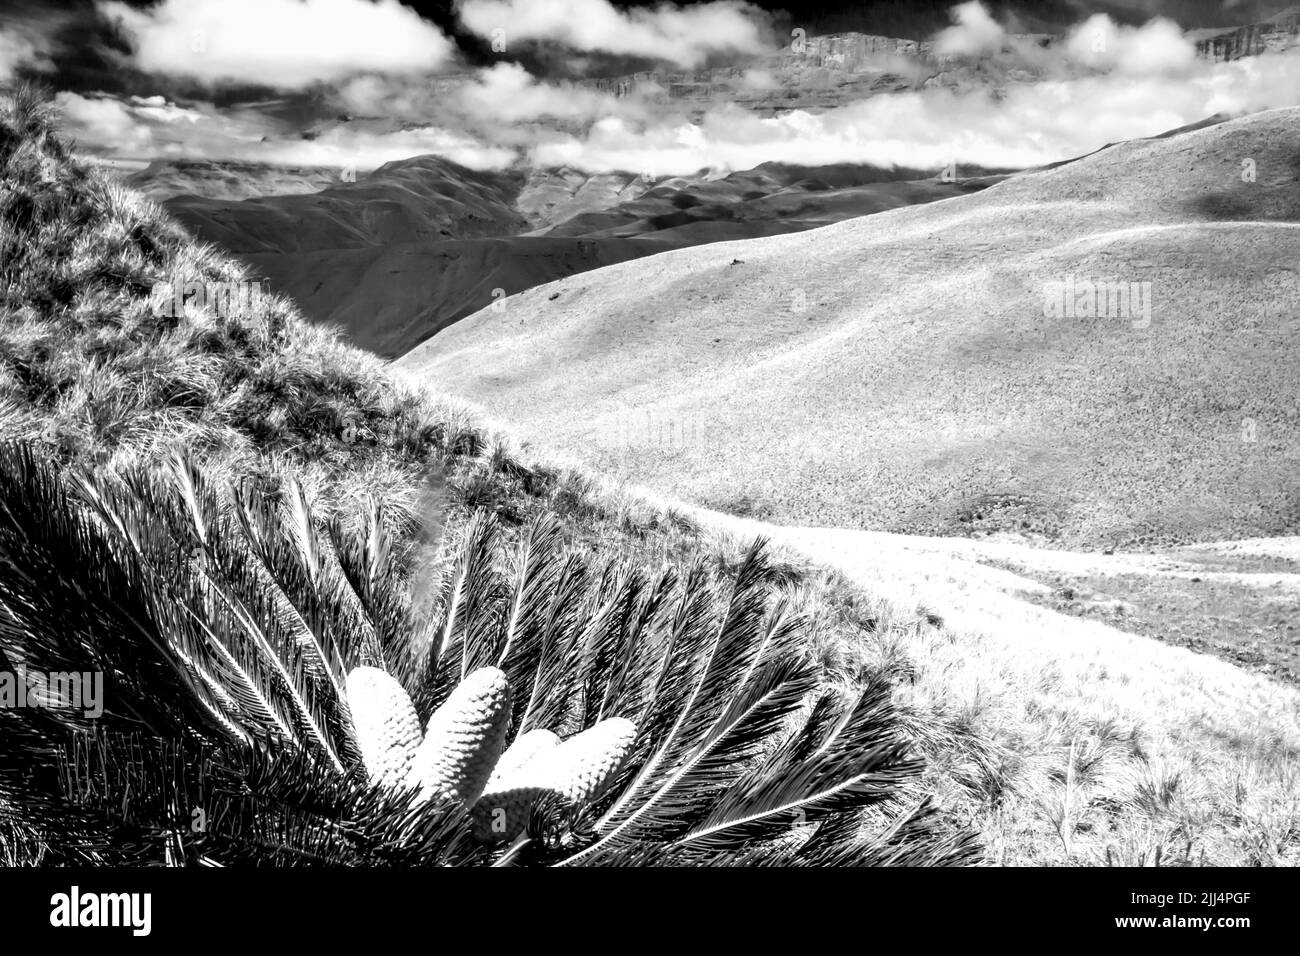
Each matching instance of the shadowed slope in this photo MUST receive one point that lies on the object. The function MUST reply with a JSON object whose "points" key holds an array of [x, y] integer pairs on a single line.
{"points": [[897, 372]]}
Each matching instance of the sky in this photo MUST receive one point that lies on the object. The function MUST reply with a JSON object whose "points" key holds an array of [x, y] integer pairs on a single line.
{"points": [[493, 83]]}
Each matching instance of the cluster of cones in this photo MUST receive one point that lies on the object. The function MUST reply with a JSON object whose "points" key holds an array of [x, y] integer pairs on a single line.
{"points": [[462, 754]]}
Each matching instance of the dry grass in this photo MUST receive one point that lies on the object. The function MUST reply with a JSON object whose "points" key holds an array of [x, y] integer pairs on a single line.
{"points": [[1064, 741]]}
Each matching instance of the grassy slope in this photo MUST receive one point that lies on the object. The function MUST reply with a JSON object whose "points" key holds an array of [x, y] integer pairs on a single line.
{"points": [[922, 389], [94, 376]]}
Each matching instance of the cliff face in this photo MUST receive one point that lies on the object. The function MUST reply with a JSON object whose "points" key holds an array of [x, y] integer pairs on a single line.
{"points": [[1268, 36], [812, 73], [823, 72]]}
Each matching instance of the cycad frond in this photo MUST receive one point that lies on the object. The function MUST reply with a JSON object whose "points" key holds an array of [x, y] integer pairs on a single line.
{"points": [[228, 619]]}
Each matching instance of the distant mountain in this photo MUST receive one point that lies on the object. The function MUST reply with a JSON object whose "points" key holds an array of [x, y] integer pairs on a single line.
{"points": [[769, 199], [406, 251], [210, 179], [423, 199]]}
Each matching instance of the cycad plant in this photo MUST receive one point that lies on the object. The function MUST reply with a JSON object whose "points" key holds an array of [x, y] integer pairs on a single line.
{"points": [[271, 695]]}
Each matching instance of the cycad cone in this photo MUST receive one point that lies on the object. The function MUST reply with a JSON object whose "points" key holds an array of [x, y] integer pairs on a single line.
{"points": [[464, 739], [578, 770], [526, 748], [585, 764], [387, 727]]}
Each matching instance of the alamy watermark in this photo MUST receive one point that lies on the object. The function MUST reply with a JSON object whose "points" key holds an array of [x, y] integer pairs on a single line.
{"points": [[223, 298], [75, 690], [1077, 298], [652, 429]]}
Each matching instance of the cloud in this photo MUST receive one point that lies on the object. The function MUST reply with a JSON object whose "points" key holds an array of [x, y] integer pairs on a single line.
{"points": [[1101, 83], [105, 123], [1157, 46], [151, 127], [685, 36], [1022, 125], [508, 93], [503, 93], [288, 44], [21, 50], [974, 32], [365, 149]]}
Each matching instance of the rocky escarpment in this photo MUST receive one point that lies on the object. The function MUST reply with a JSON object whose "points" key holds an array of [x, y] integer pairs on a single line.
{"points": [[1277, 33]]}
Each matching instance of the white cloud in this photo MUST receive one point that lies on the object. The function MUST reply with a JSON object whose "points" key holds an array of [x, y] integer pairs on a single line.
{"points": [[1156, 47], [284, 43], [491, 99], [974, 32], [1025, 125], [362, 149], [685, 36], [150, 127], [508, 93], [104, 123], [1098, 43]]}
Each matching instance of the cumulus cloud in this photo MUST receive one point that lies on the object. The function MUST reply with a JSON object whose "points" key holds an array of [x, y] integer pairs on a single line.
{"points": [[105, 123], [685, 36], [284, 43], [1157, 46], [508, 93], [494, 100], [974, 32], [151, 127]]}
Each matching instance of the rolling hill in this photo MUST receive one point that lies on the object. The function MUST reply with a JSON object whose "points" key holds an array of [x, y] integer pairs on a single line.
{"points": [[900, 372], [412, 200], [417, 245]]}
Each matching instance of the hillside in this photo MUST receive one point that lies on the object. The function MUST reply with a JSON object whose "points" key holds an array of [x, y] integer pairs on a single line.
{"points": [[898, 372]]}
